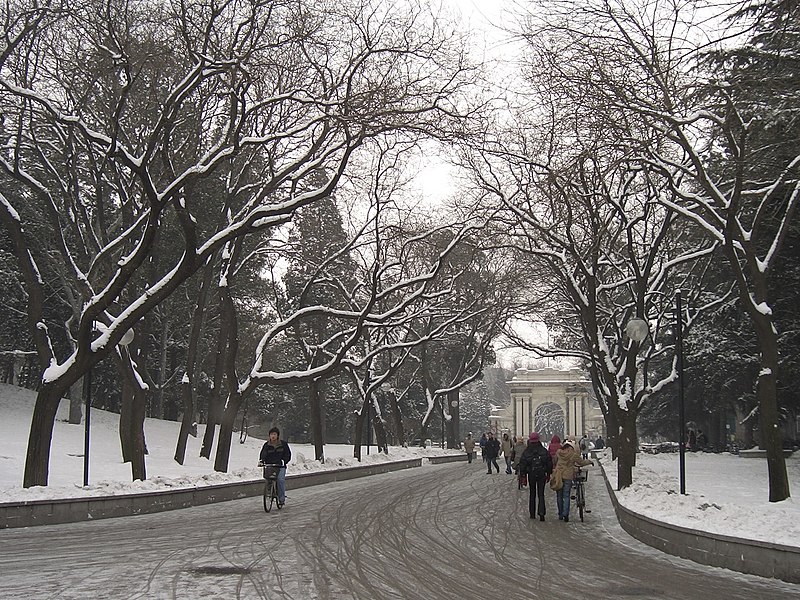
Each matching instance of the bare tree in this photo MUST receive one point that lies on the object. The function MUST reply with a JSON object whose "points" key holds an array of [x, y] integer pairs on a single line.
{"points": [[587, 215], [120, 118], [647, 61]]}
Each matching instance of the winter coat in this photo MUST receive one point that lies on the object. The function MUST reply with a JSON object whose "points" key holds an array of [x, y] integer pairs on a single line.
{"points": [[568, 460], [507, 446], [526, 462], [555, 446], [492, 448], [277, 454], [469, 445], [516, 453]]}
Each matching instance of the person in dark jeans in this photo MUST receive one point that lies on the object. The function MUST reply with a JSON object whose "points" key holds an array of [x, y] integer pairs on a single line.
{"points": [[492, 450], [276, 451], [537, 464]]}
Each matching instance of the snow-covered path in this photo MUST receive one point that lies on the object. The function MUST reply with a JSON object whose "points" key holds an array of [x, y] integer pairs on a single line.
{"points": [[444, 531]]}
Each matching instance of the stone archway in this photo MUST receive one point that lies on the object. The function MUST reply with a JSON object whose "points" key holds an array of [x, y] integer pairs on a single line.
{"points": [[548, 420]]}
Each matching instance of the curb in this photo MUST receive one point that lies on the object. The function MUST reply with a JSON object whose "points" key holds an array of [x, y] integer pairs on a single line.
{"points": [[71, 510], [753, 557]]}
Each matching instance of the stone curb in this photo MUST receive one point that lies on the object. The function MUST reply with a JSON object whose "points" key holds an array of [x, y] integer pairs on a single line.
{"points": [[71, 510], [777, 561]]}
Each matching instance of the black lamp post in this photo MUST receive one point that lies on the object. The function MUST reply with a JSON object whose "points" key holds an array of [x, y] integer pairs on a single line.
{"points": [[369, 429], [681, 411], [87, 394]]}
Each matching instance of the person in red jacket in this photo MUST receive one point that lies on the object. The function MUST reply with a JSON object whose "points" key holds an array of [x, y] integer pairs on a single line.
{"points": [[555, 446]]}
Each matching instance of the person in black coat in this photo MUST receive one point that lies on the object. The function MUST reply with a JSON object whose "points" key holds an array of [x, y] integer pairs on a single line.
{"points": [[537, 464], [276, 451], [492, 450]]}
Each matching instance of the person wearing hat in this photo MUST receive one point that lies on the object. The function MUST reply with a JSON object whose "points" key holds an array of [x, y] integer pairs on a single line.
{"points": [[537, 465], [568, 459]]}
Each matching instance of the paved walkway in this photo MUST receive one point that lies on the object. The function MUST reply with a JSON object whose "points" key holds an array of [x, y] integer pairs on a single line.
{"points": [[436, 532]]}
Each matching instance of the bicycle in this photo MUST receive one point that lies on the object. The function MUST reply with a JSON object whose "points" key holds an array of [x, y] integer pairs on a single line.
{"points": [[271, 486], [579, 492]]}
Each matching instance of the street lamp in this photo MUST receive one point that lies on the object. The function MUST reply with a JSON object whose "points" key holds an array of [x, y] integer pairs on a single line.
{"points": [[637, 329], [369, 429], [127, 338], [681, 412]]}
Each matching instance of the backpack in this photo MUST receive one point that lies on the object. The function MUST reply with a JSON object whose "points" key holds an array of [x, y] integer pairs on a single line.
{"points": [[535, 465]]}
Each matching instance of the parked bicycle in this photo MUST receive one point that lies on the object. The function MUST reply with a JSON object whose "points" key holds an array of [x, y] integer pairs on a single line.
{"points": [[579, 492], [270, 486]]}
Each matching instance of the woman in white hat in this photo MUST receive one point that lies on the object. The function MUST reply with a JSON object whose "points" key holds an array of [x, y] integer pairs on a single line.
{"points": [[564, 472]]}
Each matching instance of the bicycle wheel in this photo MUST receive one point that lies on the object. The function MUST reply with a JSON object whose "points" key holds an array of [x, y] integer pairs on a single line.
{"points": [[270, 494], [580, 500]]}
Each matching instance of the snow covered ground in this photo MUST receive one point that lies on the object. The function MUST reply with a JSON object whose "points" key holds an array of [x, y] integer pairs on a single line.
{"points": [[725, 494]]}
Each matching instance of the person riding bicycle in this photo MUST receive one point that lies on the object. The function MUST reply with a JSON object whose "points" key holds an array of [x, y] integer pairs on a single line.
{"points": [[276, 451]]}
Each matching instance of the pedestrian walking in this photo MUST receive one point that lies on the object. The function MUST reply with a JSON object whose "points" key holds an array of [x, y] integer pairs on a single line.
{"points": [[585, 445], [492, 450], [516, 452], [507, 447], [599, 443], [567, 461], [482, 444], [537, 465], [553, 447], [469, 447]]}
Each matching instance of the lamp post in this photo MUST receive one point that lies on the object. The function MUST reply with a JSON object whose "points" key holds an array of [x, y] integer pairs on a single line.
{"points": [[637, 329], [681, 412], [369, 429], [87, 394]]}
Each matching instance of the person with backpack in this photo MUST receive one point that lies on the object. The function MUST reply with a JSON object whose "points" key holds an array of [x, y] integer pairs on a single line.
{"points": [[537, 465]]}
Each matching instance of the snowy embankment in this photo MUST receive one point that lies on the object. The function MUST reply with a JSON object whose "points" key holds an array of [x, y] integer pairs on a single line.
{"points": [[108, 475], [725, 494]]}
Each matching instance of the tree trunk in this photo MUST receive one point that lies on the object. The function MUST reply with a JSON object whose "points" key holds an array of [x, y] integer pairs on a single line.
{"points": [[215, 397], [397, 418], [769, 426], [380, 432], [76, 402], [139, 447], [223, 454], [37, 459], [453, 427], [126, 421], [187, 385], [626, 450], [132, 418]]}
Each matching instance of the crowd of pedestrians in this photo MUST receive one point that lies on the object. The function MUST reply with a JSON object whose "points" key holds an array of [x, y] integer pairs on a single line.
{"points": [[537, 465]]}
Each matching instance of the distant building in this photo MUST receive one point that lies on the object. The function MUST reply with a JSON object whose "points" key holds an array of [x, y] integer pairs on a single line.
{"points": [[553, 401], [501, 420]]}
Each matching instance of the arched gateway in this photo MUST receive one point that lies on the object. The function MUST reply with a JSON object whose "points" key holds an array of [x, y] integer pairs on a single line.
{"points": [[552, 401]]}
